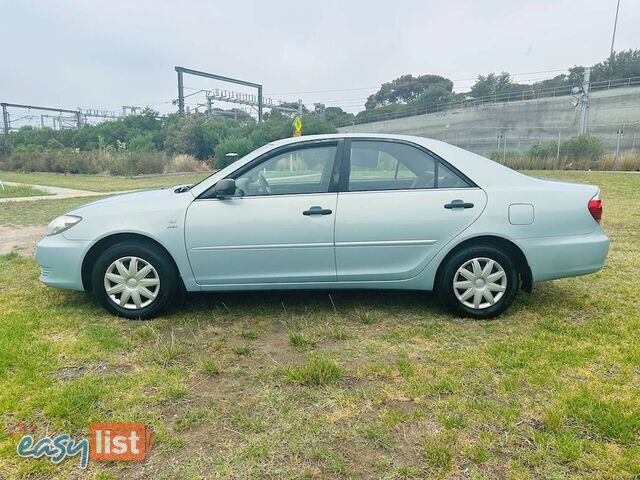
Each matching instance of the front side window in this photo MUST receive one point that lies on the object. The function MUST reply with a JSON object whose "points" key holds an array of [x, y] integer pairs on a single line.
{"points": [[304, 170], [376, 165]]}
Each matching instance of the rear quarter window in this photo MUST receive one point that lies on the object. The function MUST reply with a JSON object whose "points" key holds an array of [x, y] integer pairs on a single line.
{"points": [[447, 178]]}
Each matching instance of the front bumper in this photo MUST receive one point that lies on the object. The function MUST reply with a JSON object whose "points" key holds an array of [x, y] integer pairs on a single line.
{"points": [[60, 261], [565, 256]]}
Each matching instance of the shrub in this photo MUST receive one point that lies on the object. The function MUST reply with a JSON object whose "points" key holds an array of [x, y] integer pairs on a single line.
{"points": [[186, 163], [629, 161], [142, 143], [586, 147], [5, 145], [55, 161], [543, 150], [241, 146], [509, 155], [136, 163]]}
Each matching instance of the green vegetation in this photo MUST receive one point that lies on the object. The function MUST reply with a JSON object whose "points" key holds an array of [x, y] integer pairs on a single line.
{"points": [[317, 370], [12, 191], [149, 143], [395, 386], [146, 143], [583, 152], [581, 147]]}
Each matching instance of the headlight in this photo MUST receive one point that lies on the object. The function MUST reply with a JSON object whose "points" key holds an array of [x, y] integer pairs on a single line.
{"points": [[62, 223]]}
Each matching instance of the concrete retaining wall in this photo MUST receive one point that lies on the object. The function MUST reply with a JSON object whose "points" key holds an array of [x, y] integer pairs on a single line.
{"points": [[524, 123]]}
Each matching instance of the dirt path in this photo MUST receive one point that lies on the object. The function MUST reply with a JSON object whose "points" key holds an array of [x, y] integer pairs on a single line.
{"points": [[20, 239], [57, 193]]}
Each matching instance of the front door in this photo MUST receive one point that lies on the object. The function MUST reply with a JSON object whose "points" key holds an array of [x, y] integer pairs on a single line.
{"points": [[279, 226], [397, 207]]}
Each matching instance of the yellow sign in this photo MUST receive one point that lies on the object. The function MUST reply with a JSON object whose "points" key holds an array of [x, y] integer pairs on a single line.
{"points": [[297, 127]]}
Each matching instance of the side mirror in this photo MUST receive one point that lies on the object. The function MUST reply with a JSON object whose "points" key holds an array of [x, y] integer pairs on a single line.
{"points": [[225, 188]]}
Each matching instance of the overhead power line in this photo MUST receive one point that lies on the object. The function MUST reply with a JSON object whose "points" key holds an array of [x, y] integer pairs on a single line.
{"points": [[378, 86]]}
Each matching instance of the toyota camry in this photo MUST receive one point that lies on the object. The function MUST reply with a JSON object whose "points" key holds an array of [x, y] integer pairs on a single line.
{"points": [[339, 211]]}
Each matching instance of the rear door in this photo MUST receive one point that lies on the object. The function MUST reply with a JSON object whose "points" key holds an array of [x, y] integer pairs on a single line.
{"points": [[398, 205]]}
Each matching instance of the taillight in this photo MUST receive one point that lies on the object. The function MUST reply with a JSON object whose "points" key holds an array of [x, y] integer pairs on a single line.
{"points": [[595, 209]]}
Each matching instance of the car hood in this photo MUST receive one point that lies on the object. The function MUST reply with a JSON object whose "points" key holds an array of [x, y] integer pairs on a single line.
{"points": [[136, 198]]}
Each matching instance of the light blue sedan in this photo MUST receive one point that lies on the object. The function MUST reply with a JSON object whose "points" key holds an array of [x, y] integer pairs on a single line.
{"points": [[327, 212]]}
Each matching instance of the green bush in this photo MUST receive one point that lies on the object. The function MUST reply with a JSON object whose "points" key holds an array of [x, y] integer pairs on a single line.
{"points": [[135, 163], [241, 146], [5, 145], [582, 147], [508, 156], [55, 161], [543, 150]]}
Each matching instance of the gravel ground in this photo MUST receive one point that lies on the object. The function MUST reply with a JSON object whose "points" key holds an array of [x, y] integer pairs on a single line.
{"points": [[20, 239]]}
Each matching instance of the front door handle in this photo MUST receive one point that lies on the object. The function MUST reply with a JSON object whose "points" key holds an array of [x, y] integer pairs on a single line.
{"points": [[458, 204], [317, 211]]}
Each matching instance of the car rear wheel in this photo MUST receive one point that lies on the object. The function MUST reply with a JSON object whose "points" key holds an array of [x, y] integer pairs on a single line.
{"points": [[135, 280], [478, 281]]}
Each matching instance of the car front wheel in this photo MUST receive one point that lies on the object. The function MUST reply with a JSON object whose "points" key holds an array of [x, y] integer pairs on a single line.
{"points": [[135, 280], [479, 282]]}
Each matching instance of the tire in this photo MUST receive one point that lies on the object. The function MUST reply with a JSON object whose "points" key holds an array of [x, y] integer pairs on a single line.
{"points": [[481, 296], [156, 281]]}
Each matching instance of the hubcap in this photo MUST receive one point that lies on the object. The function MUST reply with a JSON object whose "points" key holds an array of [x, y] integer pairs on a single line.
{"points": [[480, 283], [132, 283]]}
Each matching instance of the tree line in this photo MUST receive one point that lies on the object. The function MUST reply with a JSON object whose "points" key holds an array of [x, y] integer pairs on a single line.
{"points": [[213, 136]]}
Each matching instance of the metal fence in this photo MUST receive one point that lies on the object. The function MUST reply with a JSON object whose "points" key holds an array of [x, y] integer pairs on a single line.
{"points": [[520, 96]]}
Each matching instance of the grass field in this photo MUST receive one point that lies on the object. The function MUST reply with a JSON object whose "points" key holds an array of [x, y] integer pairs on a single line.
{"points": [[101, 183], [38, 212], [13, 191], [352, 385]]}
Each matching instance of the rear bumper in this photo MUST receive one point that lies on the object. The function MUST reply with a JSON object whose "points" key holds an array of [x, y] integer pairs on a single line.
{"points": [[60, 261], [566, 256]]}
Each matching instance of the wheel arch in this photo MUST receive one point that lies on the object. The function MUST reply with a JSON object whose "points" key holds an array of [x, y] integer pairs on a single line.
{"points": [[495, 241], [101, 245]]}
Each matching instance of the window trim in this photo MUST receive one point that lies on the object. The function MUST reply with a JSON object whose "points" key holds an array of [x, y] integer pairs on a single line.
{"points": [[346, 166], [265, 157]]}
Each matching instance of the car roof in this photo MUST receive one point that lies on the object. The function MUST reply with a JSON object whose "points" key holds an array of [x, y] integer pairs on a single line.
{"points": [[483, 171]]}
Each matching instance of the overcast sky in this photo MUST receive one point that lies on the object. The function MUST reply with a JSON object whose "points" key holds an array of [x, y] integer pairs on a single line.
{"points": [[89, 54]]}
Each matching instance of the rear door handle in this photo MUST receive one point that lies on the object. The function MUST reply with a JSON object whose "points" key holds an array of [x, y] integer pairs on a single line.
{"points": [[458, 204], [317, 211]]}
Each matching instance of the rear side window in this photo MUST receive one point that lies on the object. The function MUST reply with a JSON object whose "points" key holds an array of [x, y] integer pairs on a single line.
{"points": [[378, 165]]}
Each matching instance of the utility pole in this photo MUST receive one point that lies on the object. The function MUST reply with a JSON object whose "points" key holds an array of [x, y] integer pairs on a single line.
{"points": [[613, 38], [5, 118], [558, 150], [584, 100], [180, 91]]}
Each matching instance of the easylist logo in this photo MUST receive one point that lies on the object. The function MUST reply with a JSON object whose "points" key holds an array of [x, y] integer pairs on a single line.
{"points": [[120, 441]]}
